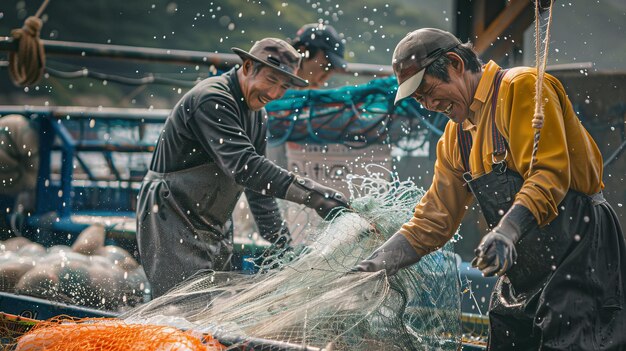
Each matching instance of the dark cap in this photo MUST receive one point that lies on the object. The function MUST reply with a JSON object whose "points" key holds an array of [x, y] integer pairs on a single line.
{"points": [[277, 54], [325, 38], [414, 52]]}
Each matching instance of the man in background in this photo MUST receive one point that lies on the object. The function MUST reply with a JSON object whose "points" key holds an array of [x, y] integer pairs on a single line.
{"points": [[322, 53]]}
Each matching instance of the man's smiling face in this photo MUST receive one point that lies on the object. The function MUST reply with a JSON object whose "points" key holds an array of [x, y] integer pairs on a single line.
{"points": [[451, 98], [262, 86]]}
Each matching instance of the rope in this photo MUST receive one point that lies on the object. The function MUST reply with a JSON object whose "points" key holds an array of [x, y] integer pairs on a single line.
{"points": [[540, 61], [26, 65]]}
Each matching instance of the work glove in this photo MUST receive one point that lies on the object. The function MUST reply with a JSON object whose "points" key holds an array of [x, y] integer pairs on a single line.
{"points": [[396, 253], [496, 252], [316, 196]]}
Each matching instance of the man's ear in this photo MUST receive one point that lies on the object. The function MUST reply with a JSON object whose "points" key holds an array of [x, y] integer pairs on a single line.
{"points": [[456, 62], [246, 67]]}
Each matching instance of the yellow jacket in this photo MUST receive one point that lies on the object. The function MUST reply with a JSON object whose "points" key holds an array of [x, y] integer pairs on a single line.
{"points": [[567, 157]]}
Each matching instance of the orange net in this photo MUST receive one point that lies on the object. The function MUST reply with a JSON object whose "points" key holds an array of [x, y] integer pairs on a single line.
{"points": [[12, 327], [110, 334]]}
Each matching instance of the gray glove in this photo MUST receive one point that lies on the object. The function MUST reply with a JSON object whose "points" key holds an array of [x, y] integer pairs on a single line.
{"points": [[316, 196], [396, 253], [496, 252]]}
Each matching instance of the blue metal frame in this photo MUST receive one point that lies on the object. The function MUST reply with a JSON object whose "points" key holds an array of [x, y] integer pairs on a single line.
{"points": [[51, 126], [40, 309], [68, 147], [58, 200], [45, 202]]}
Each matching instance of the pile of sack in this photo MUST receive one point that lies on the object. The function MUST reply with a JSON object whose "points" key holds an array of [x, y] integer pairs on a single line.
{"points": [[88, 273]]}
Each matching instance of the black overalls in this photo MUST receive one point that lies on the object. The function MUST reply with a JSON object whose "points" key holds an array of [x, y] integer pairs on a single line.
{"points": [[566, 289], [183, 221]]}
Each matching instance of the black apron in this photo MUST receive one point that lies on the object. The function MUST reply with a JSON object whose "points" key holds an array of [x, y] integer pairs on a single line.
{"points": [[566, 289], [183, 222]]}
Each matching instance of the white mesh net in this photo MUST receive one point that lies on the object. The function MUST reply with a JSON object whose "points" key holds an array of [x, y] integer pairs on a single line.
{"points": [[308, 299]]}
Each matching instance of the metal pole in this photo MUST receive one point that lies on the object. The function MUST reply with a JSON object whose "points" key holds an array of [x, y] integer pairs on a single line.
{"points": [[219, 60], [89, 50], [73, 112], [67, 168], [258, 344]]}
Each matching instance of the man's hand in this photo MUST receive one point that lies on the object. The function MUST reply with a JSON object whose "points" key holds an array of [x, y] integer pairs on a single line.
{"points": [[395, 254], [496, 253], [316, 196]]}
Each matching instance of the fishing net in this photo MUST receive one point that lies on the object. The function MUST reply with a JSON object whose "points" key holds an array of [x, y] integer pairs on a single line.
{"points": [[307, 298], [356, 116], [301, 299]]}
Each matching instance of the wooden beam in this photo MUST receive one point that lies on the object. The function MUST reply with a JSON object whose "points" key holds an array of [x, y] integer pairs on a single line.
{"points": [[478, 19], [505, 52], [500, 24]]}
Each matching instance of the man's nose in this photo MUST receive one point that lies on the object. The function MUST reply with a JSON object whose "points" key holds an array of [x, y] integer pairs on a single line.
{"points": [[428, 103], [276, 92], [422, 101]]}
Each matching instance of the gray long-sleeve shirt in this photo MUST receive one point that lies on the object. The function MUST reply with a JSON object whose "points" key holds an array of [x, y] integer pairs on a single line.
{"points": [[212, 124]]}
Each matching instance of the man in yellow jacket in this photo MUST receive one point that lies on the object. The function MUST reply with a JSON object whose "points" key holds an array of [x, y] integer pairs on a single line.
{"points": [[555, 243]]}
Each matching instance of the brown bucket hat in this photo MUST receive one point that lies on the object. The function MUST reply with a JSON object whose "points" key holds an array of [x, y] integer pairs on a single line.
{"points": [[277, 54], [414, 53]]}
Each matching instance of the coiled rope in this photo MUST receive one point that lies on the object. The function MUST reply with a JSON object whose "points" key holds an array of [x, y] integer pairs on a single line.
{"points": [[27, 64], [540, 62]]}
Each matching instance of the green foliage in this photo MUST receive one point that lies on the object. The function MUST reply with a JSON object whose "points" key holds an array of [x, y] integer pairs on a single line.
{"points": [[371, 29], [218, 25]]}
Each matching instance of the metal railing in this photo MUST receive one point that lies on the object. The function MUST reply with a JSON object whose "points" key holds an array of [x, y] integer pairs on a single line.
{"points": [[221, 61]]}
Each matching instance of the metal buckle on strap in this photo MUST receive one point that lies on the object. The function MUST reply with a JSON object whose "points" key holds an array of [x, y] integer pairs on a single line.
{"points": [[499, 166], [597, 198], [467, 176], [494, 154]]}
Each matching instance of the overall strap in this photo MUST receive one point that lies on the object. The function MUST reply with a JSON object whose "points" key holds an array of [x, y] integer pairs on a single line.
{"points": [[465, 138], [465, 143], [499, 143]]}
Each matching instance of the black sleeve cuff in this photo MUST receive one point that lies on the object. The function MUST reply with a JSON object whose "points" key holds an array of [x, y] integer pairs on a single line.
{"points": [[518, 219]]}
